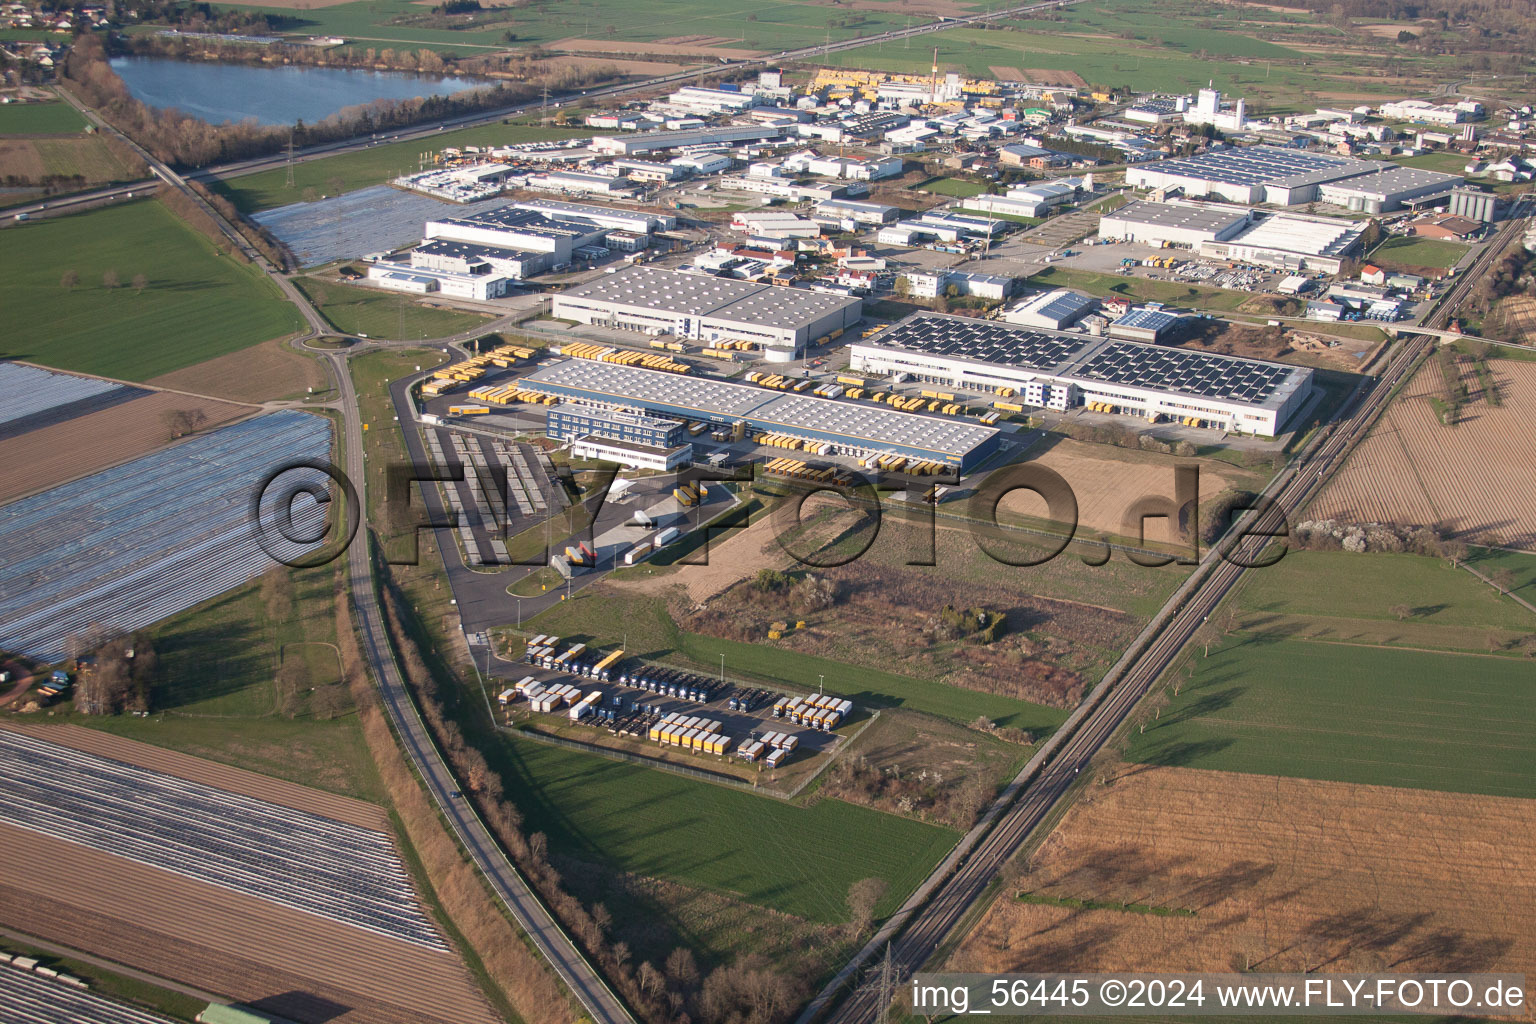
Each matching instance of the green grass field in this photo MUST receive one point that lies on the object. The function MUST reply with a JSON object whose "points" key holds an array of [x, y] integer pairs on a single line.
{"points": [[1455, 722], [1140, 288], [1173, 47], [959, 188], [373, 166], [380, 314], [799, 860], [56, 118], [1419, 252], [197, 304], [747, 24], [1362, 668], [653, 636], [215, 694]]}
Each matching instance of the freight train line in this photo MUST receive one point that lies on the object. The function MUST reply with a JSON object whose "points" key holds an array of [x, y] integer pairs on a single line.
{"points": [[916, 932]]}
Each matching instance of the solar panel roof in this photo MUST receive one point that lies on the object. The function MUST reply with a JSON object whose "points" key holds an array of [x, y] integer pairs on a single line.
{"points": [[982, 341], [1201, 374]]}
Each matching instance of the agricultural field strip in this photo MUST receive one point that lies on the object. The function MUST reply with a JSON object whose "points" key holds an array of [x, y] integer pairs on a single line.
{"points": [[298, 860], [131, 545], [29, 390], [28, 999]]}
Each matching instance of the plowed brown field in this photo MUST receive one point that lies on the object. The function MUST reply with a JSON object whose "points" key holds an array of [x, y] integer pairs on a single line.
{"points": [[1108, 481], [1282, 875], [285, 961], [1474, 479], [86, 444], [261, 373]]}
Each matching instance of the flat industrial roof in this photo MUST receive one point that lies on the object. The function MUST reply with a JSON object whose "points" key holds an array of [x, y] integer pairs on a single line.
{"points": [[862, 424], [1393, 178], [718, 297], [1185, 216], [1088, 359], [1263, 165], [1146, 319]]}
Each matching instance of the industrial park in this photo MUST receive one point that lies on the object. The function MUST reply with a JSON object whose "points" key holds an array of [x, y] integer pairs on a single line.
{"points": [[674, 513]]}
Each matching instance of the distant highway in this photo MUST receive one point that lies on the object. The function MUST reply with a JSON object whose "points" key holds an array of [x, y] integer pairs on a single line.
{"points": [[431, 128], [916, 932]]}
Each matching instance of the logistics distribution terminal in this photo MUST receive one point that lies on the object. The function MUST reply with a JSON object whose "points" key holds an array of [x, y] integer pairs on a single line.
{"points": [[855, 430], [1059, 370]]}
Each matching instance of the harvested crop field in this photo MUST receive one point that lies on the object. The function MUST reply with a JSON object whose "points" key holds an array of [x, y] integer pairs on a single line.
{"points": [[618, 65], [1006, 74], [1281, 875], [1108, 481], [54, 454], [87, 444], [1047, 76], [1475, 479], [1515, 319], [255, 950], [261, 373], [660, 49]]}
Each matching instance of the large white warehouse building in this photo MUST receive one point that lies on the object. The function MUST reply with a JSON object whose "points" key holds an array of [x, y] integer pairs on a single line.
{"points": [[1287, 241], [1253, 174], [1057, 370], [702, 308]]}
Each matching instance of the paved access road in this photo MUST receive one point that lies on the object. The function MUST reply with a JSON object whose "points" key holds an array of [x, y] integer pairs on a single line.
{"points": [[915, 933]]}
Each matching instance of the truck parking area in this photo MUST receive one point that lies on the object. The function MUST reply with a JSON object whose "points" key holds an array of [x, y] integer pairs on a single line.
{"points": [[571, 691]]}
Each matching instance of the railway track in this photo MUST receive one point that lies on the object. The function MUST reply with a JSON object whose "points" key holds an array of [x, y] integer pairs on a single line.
{"points": [[918, 930]]}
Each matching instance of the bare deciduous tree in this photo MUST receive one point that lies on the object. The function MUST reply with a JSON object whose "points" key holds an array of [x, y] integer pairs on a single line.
{"points": [[70, 279]]}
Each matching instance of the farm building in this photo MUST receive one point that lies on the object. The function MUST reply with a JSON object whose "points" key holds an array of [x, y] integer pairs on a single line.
{"points": [[1059, 370], [852, 429], [783, 320]]}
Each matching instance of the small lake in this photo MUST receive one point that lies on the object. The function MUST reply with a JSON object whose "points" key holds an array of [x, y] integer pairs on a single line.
{"points": [[272, 95]]}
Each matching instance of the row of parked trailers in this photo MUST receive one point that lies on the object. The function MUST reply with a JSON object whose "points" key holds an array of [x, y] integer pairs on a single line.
{"points": [[507, 394], [470, 370], [700, 735], [819, 711], [891, 463], [778, 746], [624, 357], [689, 494]]}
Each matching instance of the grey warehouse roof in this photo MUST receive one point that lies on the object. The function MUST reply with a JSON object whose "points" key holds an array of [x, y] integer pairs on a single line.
{"points": [[700, 295], [870, 426], [1188, 217], [1391, 179]]}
